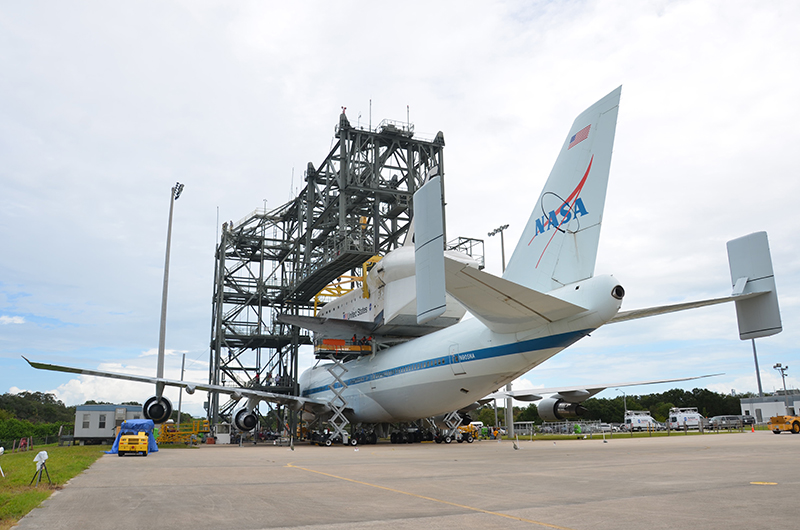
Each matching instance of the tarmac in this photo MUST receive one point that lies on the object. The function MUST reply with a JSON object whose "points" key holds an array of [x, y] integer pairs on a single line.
{"points": [[714, 481]]}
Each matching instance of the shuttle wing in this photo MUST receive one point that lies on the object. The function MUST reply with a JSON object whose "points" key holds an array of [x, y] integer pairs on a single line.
{"points": [[329, 325], [384, 332], [502, 305]]}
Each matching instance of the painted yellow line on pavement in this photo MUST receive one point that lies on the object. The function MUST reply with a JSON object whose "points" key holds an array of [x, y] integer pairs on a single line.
{"points": [[472, 508], [765, 483]]}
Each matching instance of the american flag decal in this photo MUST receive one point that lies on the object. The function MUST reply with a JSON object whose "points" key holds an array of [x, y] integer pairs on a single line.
{"points": [[579, 136]]}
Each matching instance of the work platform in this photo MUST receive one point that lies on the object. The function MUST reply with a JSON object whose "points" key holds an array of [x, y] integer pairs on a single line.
{"points": [[356, 204], [341, 349]]}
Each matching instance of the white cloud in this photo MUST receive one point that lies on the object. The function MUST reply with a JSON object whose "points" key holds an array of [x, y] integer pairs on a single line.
{"points": [[98, 123], [5, 319]]}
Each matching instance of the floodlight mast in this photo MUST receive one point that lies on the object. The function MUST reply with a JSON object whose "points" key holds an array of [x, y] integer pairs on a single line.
{"points": [[175, 192], [624, 400], [502, 243], [782, 369], [509, 402]]}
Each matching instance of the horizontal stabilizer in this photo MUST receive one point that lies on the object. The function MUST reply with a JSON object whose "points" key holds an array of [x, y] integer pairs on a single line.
{"points": [[634, 314], [503, 306]]}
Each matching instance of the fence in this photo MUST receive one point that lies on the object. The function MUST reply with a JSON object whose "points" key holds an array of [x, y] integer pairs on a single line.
{"points": [[27, 444]]}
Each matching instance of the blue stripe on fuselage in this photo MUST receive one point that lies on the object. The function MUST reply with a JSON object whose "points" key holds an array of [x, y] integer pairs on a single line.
{"points": [[562, 340]]}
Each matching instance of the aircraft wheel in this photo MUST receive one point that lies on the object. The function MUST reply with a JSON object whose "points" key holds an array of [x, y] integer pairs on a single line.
{"points": [[328, 442], [448, 439], [372, 438]]}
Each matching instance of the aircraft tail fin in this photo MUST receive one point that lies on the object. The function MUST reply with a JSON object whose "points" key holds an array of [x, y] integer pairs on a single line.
{"points": [[751, 272], [559, 243]]}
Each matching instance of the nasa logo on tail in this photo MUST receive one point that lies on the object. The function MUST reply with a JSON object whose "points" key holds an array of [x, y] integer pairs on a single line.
{"points": [[571, 207]]}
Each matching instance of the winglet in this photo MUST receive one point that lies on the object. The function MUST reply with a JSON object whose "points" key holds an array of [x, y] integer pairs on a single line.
{"points": [[751, 272]]}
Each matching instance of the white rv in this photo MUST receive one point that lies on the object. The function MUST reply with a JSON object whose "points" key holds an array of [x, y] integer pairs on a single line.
{"points": [[640, 420], [688, 418]]}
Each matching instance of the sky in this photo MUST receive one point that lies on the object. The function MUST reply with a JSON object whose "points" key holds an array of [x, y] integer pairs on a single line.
{"points": [[105, 105]]}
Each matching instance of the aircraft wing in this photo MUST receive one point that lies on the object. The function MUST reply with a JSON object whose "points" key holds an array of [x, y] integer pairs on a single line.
{"points": [[576, 394], [503, 306], [634, 314], [295, 402]]}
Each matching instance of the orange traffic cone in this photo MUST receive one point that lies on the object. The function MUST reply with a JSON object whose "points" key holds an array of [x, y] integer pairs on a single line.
{"points": [[753, 428]]}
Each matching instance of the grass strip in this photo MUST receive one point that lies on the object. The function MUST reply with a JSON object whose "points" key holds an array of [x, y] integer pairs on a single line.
{"points": [[17, 498]]}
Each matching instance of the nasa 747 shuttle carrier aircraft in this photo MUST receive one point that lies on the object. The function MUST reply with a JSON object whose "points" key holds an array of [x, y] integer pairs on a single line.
{"points": [[547, 299]]}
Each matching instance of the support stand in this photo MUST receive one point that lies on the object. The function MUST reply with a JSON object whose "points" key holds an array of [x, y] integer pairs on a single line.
{"points": [[338, 403], [453, 420], [38, 475]]}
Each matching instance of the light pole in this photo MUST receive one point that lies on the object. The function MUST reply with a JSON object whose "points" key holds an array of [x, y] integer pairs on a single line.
{"points": [[499, 230], [509, 402], [162, 334], [782, 369], [624, 400], [180, 390], [758, 374]]}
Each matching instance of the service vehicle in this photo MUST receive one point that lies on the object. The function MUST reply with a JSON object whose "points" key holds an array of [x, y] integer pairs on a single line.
{"points": [[640, 420], [778, 424], [688, 418], [133, 444], [726, 422], [748, 420]]}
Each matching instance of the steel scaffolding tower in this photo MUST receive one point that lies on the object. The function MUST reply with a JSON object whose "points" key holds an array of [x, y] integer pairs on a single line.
{"points": [[356, 205]]}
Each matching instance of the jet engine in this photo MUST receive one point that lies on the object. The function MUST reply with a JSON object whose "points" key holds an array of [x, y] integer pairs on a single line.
{"points": [[556, 409], [158, 410], [245, 420]]}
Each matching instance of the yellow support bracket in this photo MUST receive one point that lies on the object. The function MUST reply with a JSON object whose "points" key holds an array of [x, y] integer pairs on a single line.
{"points": [[340, 287]]}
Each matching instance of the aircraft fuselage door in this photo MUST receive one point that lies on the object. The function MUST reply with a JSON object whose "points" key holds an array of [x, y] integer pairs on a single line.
{"points": [[455, 362]]}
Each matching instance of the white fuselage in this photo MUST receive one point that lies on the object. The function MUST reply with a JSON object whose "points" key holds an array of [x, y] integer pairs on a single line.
{"points": [[452, 368]]}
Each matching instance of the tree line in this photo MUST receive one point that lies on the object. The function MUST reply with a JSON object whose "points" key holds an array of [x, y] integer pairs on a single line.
{"points": [[36, 414], [33, 414], [612, 410]]}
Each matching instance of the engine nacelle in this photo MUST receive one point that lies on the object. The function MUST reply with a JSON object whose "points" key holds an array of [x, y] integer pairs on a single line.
{"points": [[556, 409], [245, 420], [158, 410]]}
